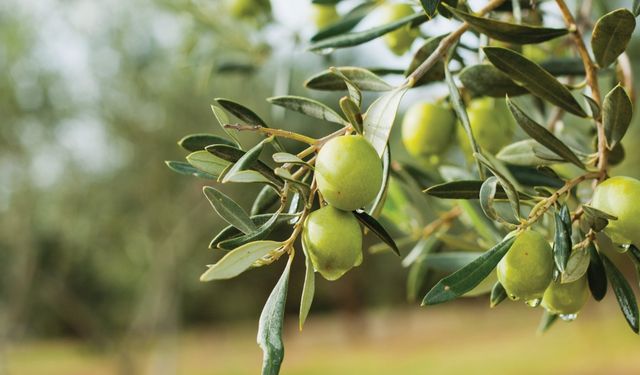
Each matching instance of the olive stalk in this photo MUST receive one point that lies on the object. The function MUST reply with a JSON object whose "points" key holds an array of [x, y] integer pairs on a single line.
{"points": [[272, 131]]}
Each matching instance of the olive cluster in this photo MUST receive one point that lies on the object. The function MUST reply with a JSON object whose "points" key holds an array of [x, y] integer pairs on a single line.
{"points": [[348, 175]]}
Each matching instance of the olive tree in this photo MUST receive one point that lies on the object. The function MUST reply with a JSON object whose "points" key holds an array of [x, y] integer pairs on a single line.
{"points": [[525, 206]]}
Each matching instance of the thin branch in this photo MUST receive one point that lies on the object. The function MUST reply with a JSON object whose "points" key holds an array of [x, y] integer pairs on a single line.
{"points": [[272, 131]]}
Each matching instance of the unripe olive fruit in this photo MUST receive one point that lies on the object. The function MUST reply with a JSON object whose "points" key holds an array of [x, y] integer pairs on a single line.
{"points": [[399, 41], [618, 196], [324, 15], [427, 129], [348, 172], [527, 268], [566, 299], [333, 240], [491, 123]]}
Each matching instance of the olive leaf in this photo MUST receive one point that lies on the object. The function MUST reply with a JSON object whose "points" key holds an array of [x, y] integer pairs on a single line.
{"points": [[611, 34], [285, 157], [616, 115], [576, 266], [239, 260], [593, 105], [246, 161], [355, 94], [259, 234], [542, 135], [546, 321], [245, 114], [233, 155], [498, 294], [207, 163], [377, 229], [461, 189], [187, 169], [596, 274], [271, 323], [308, 107], [487, 196], [377, 205], [230, 232], [487, 80], [636, 7], [419, 265], [430, 7], [528, 152], [198, 142], [534, 78], [350, 20], [562, 241], [223, 119], [362, 78], [308, 288], [229, 210], [624, 293], [503, 178], [352, 111], [468, 276], [485, 228], [508, 32], [594, 218], [379, 118], [356, 38]]}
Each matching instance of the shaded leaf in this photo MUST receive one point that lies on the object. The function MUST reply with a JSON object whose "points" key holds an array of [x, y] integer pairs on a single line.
{"points": [[270, 325], [223, 119], [285, 157], [198, 142], [376, 206], [430, 7], [258, 220], [229, 210], [362, 78], [624, 293], [380, 116], [487, 196], [576, 266], [546, 321], [596, 274], [360, 37], [419, 265], [528, 152], [463, 189], [594, 218], [487, 80], [309, 287], [350, 20], [308, 107], [233, 154], [246, 161], [562, 241], [187, 169], [377, 229], [469, 276], [616, 115], [542, 135], [207, 163], [508, 32], [239, 260], [534, 78], [498, 294], [505, 181], [352, 111], [611, 34], [259, 234], [266, 198]]}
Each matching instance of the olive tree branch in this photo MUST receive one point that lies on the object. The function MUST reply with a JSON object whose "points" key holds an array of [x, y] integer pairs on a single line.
{"points": [[272, 131], [444, 45], [591, 71]]}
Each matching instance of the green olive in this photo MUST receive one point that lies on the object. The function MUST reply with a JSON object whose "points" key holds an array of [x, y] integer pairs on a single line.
{"points": [[324, 15], [427, 129], [618, 196], [566, 299], [491, 123], [399, 41], [348, 172], [527, 268], [333, 241]]}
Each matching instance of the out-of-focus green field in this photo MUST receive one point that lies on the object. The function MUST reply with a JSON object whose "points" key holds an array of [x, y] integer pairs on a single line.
{"points": [[460, 338]]}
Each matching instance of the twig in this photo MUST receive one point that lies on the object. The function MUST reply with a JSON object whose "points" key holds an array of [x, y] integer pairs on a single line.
{"points": [[272, 131]]}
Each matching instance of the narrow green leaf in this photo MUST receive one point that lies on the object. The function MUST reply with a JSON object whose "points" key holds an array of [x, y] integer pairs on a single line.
{"points": [[576, 266], [593, 105], [562, 242], [229, 210], [207, 163], [542, 135], [616, 115], [223, 119], [623, 292], [506, 182], [309, 287], [611, 34], [352, 111], [469, 276], [430, 7], [528, 152], [534, 78], [473, 214], [350, 20], [247, 160], [377, 229], [360, 37], [463, 189], [487, 196], [355, 94], [187, 169], [508, 32], [270, 325], [230, 231], [546, 321], [198, 142], [266, 198], [380, 116], [594, 218], [308, 107], [364, 79], [487, 80], [233, 154], [498, 294], [419, 266], [259, 234], [375, 208], [285, 157], [596, 274], [239, 260], [636, 7]]}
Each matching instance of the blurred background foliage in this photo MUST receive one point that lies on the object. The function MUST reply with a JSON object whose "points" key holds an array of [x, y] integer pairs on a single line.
{"points": [[98, 239]]}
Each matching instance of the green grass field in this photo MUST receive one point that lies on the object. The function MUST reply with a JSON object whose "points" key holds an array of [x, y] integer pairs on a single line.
{"points": [[459, 338]]}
